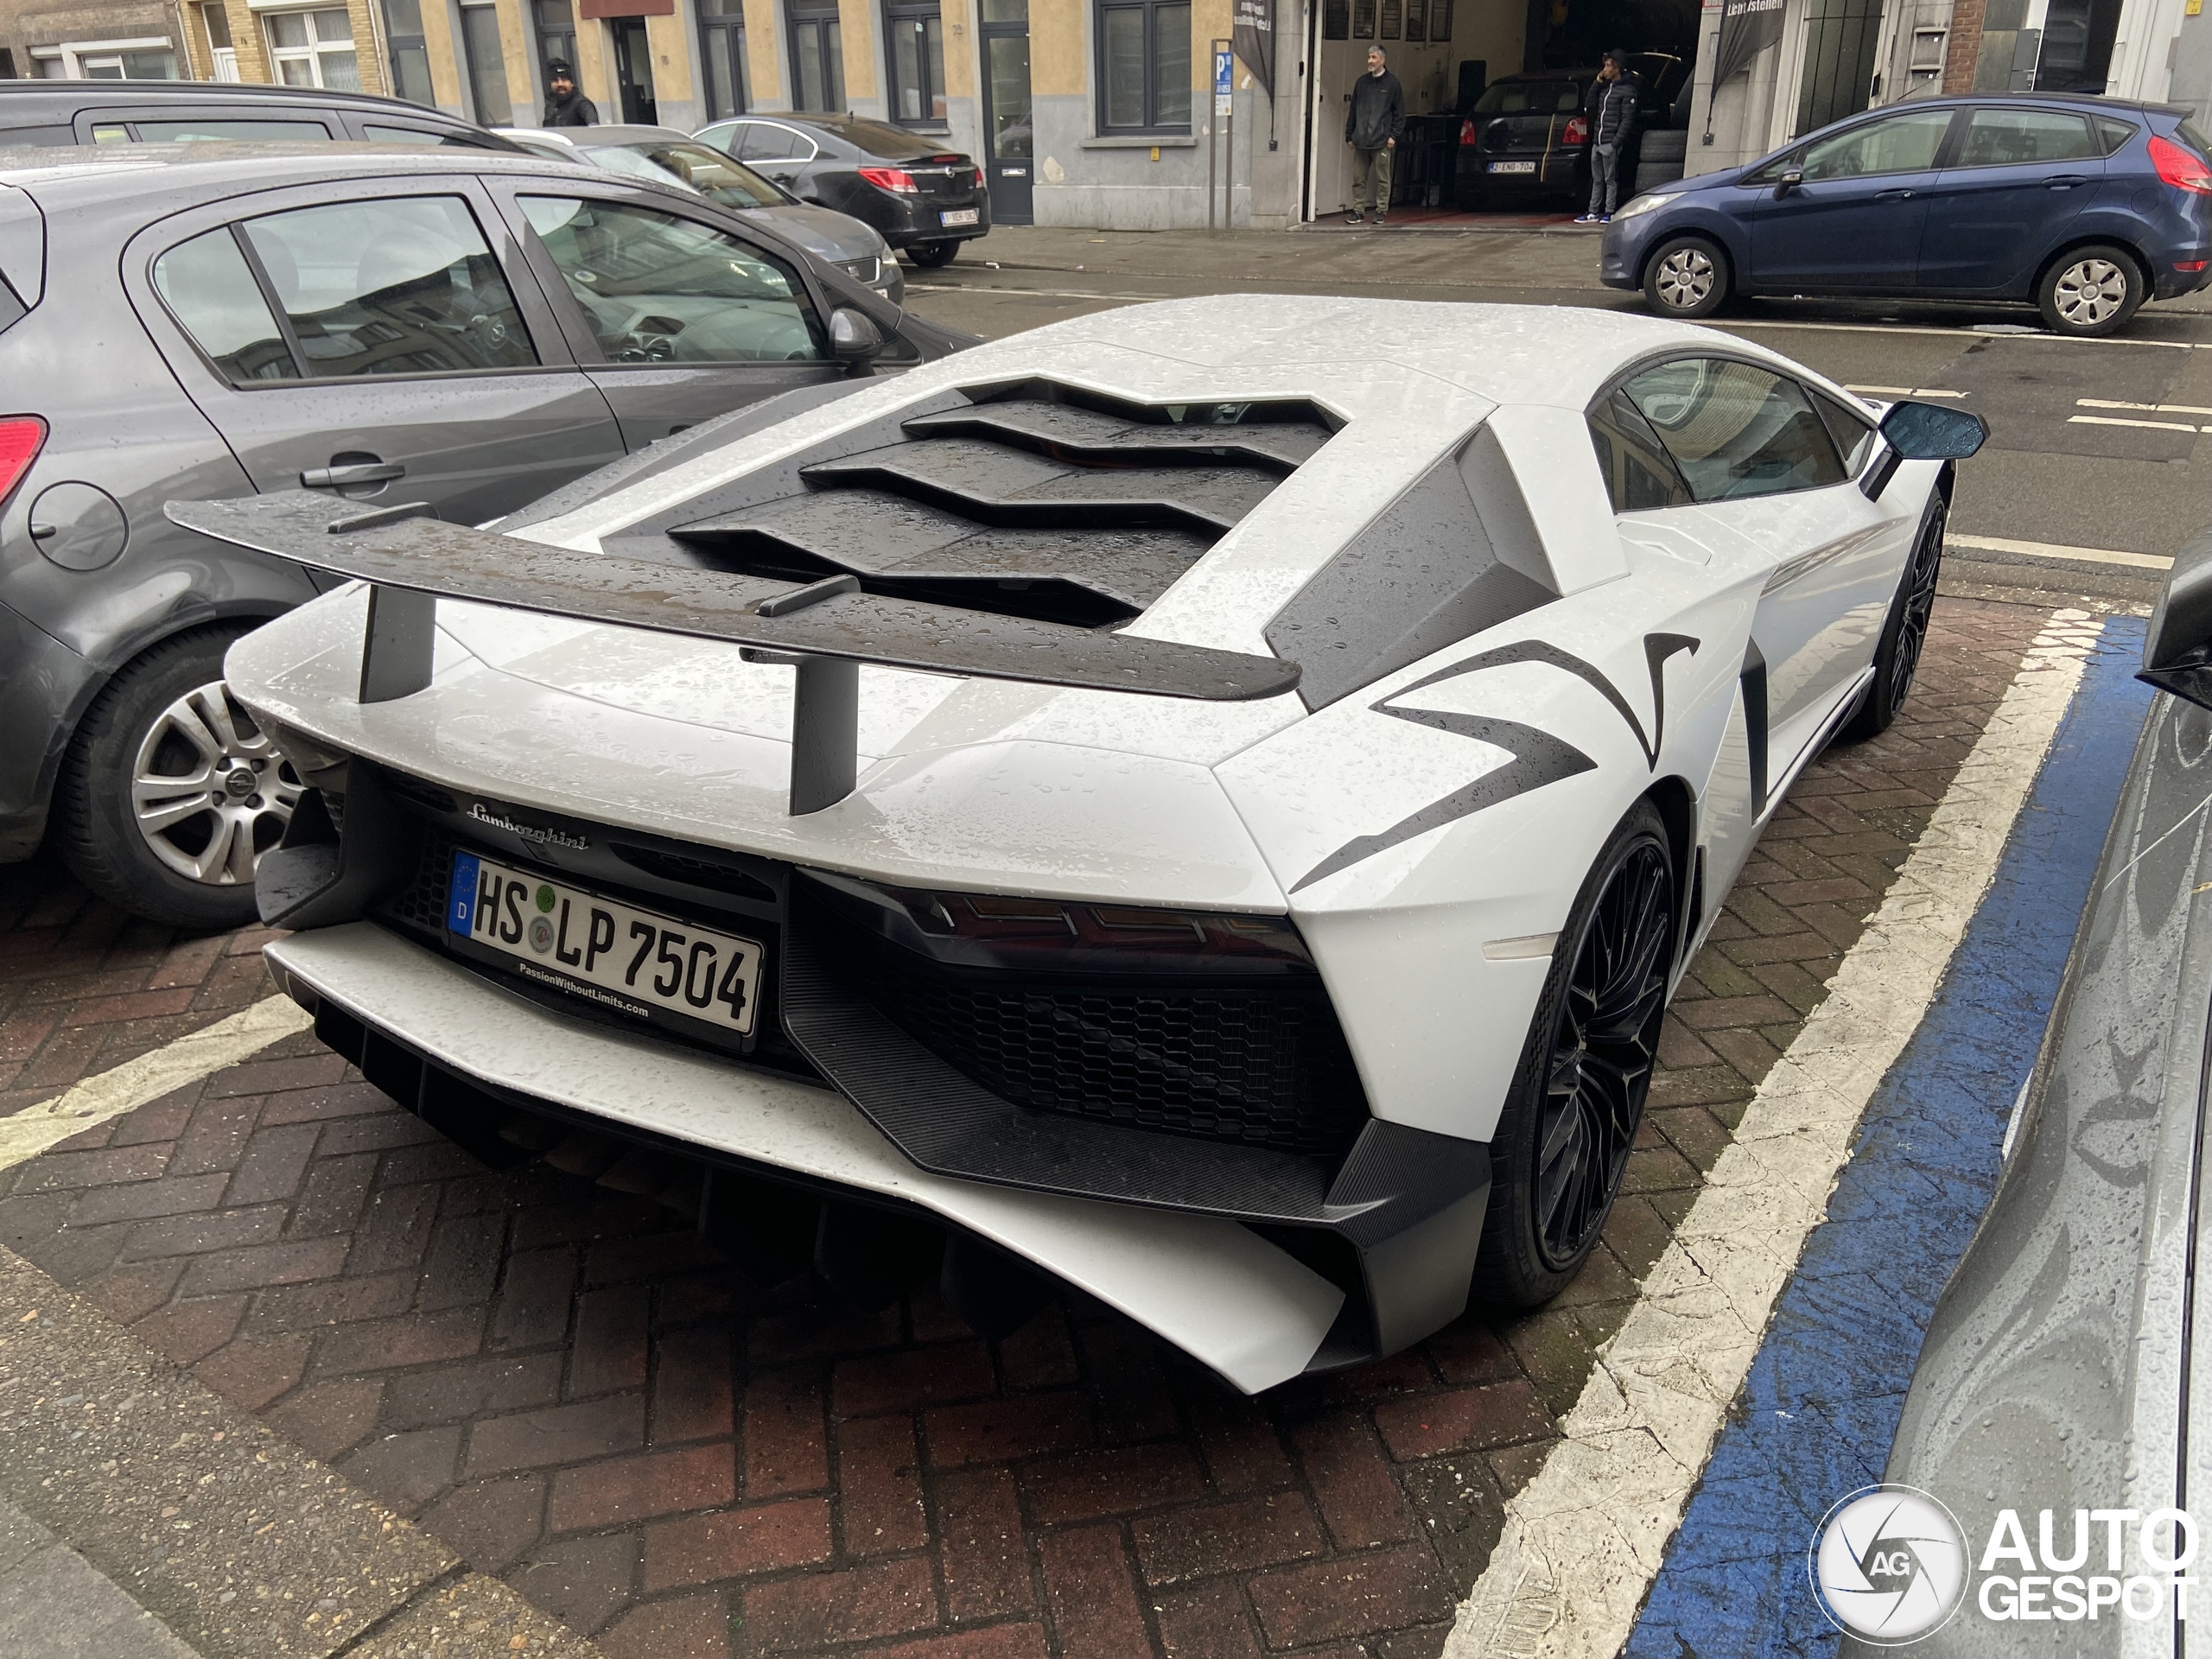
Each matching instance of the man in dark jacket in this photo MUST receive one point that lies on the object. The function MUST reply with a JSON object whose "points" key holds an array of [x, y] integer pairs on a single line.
{"points": [[568, 107], [1372, 127], [1610, 110]]}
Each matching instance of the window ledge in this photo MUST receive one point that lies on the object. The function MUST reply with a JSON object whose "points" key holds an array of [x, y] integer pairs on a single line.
{"points": [[1140, 141]]}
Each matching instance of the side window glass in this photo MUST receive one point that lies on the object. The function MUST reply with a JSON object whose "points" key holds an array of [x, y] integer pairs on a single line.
{"points": [[1852, 432], [111, 132], [405, 286], [1639, 473], [210, 291], [211, 132], [2112, 134], [2018, 138], [1903, 143], [658, 289], [374, 133], [1736, 430]]}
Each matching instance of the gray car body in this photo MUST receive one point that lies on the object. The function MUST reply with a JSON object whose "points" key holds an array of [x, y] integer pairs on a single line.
{"points": [[132, 408], [2058, 1372], [822, 232]]}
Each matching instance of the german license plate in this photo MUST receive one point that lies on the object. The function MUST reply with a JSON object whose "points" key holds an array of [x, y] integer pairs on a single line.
{"points": [[612, 954], [1512, 167], [958, 216]]}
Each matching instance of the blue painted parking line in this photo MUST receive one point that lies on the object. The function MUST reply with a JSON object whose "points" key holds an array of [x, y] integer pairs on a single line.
{"points": [[1822, 1401]]}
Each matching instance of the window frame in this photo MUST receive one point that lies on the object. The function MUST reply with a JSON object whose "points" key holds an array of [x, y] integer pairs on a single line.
{"points": [[817, 16], [1149, 11], [2097, 152], [549, 335], [313, 53], [1814, 398], [1946, 147], [896, 12], [724, 33]]}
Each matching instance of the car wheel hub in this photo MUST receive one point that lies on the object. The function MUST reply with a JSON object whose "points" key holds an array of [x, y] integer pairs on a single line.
{"points": [[1686, 278], [1602, 1053], [208, 791], [2090, 291]]}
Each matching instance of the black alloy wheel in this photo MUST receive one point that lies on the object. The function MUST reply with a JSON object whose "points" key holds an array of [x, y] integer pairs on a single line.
{"points": [[934, 253], [1563, 1143], [1896, 658]]}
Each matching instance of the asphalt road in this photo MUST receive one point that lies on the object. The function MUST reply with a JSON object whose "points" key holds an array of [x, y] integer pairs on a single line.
{"points": [[2096, 447]]}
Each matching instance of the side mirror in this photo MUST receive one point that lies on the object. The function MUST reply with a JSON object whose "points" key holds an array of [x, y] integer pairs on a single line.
{"points": [[1788, 182], [854, 337], [2177, 652], [1922, 432]]}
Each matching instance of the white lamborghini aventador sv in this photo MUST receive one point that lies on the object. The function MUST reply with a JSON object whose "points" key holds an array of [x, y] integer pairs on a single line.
{"points": [[1206, 803]]}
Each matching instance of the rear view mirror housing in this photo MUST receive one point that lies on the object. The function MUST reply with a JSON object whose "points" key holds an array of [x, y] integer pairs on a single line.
{"points": [[1789, 180], [853, 338], [1915, 431], [2177, 652]]}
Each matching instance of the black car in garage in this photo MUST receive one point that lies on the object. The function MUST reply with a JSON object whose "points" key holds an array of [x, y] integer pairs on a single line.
{"points": [[198, 321], [925, 200], [1527, 138]]}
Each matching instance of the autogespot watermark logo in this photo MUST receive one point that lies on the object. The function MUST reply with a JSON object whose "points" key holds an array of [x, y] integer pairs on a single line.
{"points": [[1892, 1566]]}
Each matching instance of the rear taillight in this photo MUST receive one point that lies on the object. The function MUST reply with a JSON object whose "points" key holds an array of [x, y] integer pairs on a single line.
{"points": [[1577, 131], [890, 178], [20, 438], [1466, 133], [2182, 169]]}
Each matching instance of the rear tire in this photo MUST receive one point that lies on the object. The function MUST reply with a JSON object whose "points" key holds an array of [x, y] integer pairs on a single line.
{"points": [[933, 254], [1687, 278], [1563, 1140], [2090, 292], [143, 798], [1896, 657]]}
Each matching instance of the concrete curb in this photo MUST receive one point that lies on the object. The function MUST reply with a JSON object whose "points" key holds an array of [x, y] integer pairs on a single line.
{"points": [[243, 1545]]}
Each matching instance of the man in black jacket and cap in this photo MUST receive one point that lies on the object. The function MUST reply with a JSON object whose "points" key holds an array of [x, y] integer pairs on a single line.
{"points": [[568, 107], [1372, 128]]}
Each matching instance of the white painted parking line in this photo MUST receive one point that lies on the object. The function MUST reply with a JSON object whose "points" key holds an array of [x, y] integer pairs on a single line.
{"points": [[2053, 550], [132, 1085], [2121, 420], [1906, 392], [2149, 409], [1583, 1540]]}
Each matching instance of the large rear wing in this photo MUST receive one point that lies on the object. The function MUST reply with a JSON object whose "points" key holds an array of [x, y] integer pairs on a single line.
{"points": [[826, 629]]}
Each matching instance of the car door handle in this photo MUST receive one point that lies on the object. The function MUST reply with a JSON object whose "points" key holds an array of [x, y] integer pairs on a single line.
{"points": [[2064, 180], [331, 478], [1892, 195]]}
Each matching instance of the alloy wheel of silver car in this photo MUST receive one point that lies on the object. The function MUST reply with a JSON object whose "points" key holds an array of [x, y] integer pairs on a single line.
{"points": [[1686, 278], [2090, 292], [209, 792]]}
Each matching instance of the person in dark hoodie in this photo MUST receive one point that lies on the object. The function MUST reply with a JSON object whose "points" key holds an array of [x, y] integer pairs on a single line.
{"points": [[567, 107], [1372, 127], [1611, 109]]}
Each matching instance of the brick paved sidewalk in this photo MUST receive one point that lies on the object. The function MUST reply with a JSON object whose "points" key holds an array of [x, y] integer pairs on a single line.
{"points": [[546, 1369]]}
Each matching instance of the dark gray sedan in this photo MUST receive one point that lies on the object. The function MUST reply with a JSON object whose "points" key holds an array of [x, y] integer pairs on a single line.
{"points": [[2067, 1369], [662, 155], [466, 328]]}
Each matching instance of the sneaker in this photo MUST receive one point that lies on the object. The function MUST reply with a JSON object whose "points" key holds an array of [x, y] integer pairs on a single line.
{"points": [[1355, 217], [1605, 218], [1586, 219], [1382, 219]]}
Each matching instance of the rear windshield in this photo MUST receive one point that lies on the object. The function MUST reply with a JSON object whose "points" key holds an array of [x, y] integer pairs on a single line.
{"points": [[1530, 97], [893, 144], [711, 173]]}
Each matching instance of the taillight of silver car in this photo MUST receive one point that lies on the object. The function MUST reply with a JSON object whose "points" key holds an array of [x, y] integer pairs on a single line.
{"points": [[21, 436]]}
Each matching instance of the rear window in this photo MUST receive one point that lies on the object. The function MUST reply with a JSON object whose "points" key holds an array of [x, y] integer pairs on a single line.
{"points": [[211, 132], [1530, 97], [2189, 135], [377, 134], [11, 137], [890, 142]]}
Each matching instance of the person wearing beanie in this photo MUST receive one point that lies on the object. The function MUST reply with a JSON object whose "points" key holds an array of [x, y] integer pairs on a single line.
{"points": [[568, 107]]}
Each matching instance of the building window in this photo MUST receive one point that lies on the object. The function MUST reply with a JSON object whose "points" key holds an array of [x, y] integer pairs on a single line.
{"points": [[556, 38], [916, 33], [487, 66], [818, 57], [152, 58], [221, 54], [721, 38], [1144, 65], [410, 53], [315, 49]]}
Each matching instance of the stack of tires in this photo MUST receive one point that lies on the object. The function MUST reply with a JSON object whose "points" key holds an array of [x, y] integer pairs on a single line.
{"points": [[1661, 157]]}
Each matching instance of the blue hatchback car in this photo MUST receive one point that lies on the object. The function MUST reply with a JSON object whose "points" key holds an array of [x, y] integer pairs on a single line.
{"points": [[2084, 206]]}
